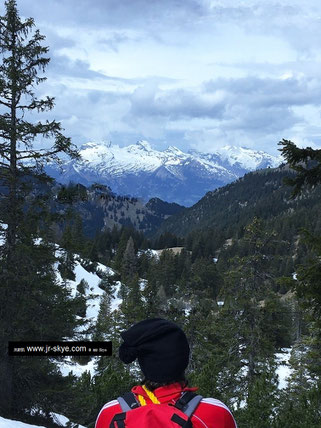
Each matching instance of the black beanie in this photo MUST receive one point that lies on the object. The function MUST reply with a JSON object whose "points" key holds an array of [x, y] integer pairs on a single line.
{"points": [[160, 346]]}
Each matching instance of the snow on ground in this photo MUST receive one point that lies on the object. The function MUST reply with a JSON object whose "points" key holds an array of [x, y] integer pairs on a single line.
{"points": [[10, 423], [284, 369], [150, 252], [94, 294], [59, 419], [142, 284], [62, 420], [116, 299], [67, 365], [93, 280]]}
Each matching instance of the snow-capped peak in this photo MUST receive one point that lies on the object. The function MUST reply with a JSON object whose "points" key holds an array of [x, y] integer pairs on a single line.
{"points": [[144, 145], [142, 171], [246, 158], [174, 150], [112, 159]]}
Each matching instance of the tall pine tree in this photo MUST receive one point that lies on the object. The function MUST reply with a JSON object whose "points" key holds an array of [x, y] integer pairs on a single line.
{"points": [[35, 305]]}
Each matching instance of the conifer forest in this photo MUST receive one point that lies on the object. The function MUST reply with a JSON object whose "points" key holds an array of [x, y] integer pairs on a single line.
{"points": [[239, 271]]}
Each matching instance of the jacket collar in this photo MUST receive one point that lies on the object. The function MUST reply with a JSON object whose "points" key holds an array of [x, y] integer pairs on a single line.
{"points": [[164, 393]]}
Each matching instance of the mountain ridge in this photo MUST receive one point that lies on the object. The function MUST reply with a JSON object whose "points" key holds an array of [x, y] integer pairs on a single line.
{"points": [[261, 194], [171, 175]]}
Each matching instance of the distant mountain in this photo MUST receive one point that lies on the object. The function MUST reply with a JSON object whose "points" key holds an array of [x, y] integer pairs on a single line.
{"points": [[170, 175]]}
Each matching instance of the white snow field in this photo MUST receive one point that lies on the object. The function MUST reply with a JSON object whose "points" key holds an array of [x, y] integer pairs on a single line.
{"points": [[284, 369], [10, 423]]}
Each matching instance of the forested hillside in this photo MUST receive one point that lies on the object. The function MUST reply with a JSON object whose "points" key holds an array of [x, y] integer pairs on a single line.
{"points": [[96, 207], [258, 194], [99, 208]]}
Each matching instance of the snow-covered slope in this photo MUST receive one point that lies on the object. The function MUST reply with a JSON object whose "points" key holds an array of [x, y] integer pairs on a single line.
{"points": [[171, 175], [93, 294], [10, 423]]}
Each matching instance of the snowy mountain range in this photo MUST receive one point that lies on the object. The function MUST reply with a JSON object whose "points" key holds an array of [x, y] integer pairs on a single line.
{"points": [[171, 175]]}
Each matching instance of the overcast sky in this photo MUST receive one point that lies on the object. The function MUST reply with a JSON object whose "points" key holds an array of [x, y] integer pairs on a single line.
{"points": [[191, 73]]}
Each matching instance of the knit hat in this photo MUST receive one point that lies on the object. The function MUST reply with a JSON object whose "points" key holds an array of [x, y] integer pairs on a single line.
{"points": [[160, 346]]}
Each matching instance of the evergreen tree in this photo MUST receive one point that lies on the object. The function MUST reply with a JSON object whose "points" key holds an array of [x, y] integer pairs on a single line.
{"points": [[121, 244], [22, 57], [301, 399], [306, 162], [129, 261], [205, 281], [132, 305], [252, 346], [36, 307]]}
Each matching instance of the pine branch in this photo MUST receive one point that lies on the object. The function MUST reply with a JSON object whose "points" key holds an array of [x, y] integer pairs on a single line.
{"points": [[306, 162]]}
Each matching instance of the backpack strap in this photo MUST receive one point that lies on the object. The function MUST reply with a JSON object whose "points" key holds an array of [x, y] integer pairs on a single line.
{"points": [[188, 402], [181, 422], [128, 401], [118, 421]]}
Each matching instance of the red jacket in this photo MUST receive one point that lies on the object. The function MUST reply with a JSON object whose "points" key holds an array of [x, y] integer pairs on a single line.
{"points": [[210, 413]]}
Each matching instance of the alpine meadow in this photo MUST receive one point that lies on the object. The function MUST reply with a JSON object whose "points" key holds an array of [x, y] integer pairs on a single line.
{"points": [[96, 237]]}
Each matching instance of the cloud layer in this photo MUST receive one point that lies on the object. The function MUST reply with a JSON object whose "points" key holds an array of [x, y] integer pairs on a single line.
{"points": [[197, 74]]}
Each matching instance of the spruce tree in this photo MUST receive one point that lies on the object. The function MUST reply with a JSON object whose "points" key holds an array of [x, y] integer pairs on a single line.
{"points": [[36, 306], [306, 162], [129, 261], [246, 311], [23, 56]]}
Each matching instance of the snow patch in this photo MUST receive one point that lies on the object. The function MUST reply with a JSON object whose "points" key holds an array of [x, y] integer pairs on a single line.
{"points": [[10, 423], [283, 370], [115, 303], [63, 421]]}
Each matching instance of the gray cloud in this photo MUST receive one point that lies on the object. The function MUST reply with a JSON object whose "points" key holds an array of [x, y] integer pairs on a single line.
{"points": [[259, 121], [256, 102], [174, 104], [101, 13], [269, 92], [258, 106], [64, 66]]}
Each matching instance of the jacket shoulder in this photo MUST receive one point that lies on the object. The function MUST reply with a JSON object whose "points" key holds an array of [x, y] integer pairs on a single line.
{"points": [[106, 414], [210, 410]]}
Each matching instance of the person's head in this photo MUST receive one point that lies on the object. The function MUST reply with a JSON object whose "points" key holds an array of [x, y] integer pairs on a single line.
{"points": [[161, 348]]}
